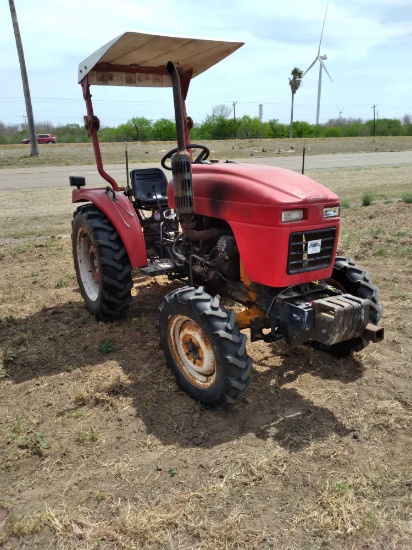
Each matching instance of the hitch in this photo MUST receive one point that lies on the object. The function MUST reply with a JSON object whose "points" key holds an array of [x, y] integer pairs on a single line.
{"points": [[373, 333], [327, 320]]}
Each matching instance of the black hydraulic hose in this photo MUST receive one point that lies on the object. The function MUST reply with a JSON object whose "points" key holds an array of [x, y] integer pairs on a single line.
{"points": [[179, 256], [177, 97]]}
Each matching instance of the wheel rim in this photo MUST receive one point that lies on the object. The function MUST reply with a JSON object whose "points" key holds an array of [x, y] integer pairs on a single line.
{"points": [[192, 351], [88, 264]]}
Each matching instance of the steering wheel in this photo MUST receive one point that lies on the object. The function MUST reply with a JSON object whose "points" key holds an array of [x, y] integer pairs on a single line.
{"points": [[203, 155]]}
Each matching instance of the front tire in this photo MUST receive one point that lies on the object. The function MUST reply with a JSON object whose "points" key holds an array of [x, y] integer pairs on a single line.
{"points": [[351, 279], [102, 265], [203, 347]]}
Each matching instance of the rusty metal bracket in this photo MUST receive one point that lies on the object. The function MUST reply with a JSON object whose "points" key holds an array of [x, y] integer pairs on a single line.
{"points": [[246, 316], [91, 123]]}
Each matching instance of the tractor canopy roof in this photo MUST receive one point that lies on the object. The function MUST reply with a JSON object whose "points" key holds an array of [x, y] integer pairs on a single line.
{"points": [[140, 59]]}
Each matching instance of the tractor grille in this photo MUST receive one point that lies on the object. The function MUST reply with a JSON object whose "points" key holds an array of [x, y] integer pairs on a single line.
{"points": [[182, 180], [310, 250]]}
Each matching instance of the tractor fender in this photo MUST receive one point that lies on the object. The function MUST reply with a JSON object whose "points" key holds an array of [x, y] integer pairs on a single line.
{"points": [[120, 212]]}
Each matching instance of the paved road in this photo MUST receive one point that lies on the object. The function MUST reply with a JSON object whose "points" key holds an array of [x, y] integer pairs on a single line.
{"points": [[30, 178]]}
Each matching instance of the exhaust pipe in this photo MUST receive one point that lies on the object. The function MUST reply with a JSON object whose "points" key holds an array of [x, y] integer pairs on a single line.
{"points": [[181, 161], [373, 333]]}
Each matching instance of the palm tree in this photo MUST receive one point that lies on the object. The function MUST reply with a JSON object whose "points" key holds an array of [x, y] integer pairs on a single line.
{"points": [[34, 150], [294, 84]]}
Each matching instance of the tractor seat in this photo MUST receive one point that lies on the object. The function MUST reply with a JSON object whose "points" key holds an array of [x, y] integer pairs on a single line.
{"points": [[149, 186]]}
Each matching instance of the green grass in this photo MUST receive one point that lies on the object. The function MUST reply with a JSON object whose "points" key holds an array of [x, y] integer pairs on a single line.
{"points": [[407, 198], [378, 232], [27, 437], [23, 248], [107, 346], [75, 413], [10, 355], [17, 428], [136, 322], [366, 199], [10, 319], [87, 436], [34, 442], [404, 251], [20, 526], [371, 520], [99, 496], [399, 295], [351, 237], [380, 253]]}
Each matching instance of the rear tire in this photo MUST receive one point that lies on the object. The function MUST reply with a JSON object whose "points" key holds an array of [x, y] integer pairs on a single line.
{"points": [[351, 279], [203, 347], [102, 265]]}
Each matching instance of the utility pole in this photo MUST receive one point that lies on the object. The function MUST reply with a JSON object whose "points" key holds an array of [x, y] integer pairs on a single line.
{"points": [[234, 118], [374, 119], [34, 150]]}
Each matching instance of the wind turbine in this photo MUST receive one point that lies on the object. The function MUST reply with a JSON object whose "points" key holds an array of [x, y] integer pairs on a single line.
{"points": [[321, 59]]}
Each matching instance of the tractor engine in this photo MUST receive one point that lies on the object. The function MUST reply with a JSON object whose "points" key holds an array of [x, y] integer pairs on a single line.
{"points": [[220, 266], [211, 250], [159, 230]]}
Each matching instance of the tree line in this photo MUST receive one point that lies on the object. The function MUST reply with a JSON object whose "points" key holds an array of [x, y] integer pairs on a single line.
{"points": [[219, 125]]}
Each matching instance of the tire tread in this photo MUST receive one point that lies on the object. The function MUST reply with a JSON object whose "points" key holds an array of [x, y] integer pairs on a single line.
{"points": [[116, 280], [218, 322]]}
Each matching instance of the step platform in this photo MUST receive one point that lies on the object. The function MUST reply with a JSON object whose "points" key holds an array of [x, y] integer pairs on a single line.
{"points": [[158, 267]]}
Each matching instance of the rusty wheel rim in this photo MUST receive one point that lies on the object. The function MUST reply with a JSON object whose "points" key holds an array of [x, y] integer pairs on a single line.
{"points": [[88, 264], [192, 351]]}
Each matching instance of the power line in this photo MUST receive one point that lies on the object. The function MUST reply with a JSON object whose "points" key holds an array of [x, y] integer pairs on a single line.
{"points": [[192, 103]]}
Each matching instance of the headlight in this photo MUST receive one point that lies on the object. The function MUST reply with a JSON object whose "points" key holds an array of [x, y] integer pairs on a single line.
{"points": [[292, 215], [331, 211]]}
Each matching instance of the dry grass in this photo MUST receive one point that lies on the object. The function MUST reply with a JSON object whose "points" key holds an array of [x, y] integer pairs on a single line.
{"points": [[50, 211], [104, 386], [352, 507], [178, 521], [18, 156], [35, 213], [385, 182]]}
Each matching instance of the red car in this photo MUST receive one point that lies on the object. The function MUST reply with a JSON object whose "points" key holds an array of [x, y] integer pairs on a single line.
{"points": [[42, 138]]}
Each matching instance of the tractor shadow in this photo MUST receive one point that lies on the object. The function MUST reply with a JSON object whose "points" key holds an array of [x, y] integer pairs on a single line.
{"points": [[65, 338]]}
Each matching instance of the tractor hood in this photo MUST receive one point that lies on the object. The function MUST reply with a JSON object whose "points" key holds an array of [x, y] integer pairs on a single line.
{"points": [[256, 193], [251, 199]]}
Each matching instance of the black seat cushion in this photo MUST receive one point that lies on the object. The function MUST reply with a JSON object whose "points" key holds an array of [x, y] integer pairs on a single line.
{"points": [[149, 186]]}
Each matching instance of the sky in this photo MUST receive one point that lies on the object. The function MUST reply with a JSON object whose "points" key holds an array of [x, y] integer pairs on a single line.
{"points": [[368, 44]]}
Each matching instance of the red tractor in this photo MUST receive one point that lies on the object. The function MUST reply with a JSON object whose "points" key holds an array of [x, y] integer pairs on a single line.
{"points": [[260, 236]]}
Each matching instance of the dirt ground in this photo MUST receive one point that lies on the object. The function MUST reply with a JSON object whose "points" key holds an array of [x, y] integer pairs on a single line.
{"points": [[100, 449]]}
